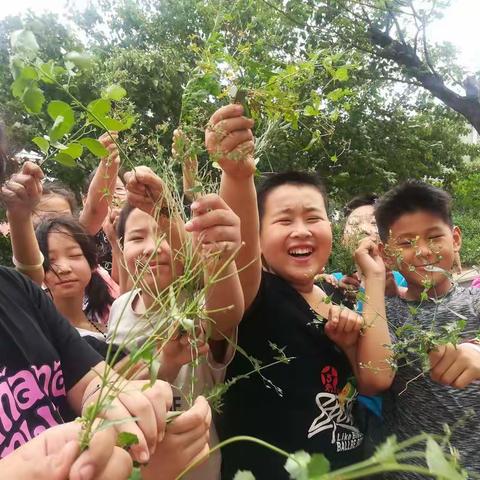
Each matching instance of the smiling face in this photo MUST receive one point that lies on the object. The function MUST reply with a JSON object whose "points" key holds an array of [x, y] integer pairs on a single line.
{"points": [[70, 272], [426, 247], [295, 237], [146, 253]]}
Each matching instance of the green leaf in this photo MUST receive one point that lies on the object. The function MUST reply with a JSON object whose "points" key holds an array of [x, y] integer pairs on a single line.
{"points": [[126, 440], [114, 92], [438, 464], [385, 453], [297, 465], [65, 160], [73, 149], [48, 71], [135, 475], [310, 111], [24, 41], [63, 116], [42, 143], [19, 86], [80, 59], [98, 109], [94, 146], [319, 465], [244, 475], [33, 99], [341, 74], [336, 94]]}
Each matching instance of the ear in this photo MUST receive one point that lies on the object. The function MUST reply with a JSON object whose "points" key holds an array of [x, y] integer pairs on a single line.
{"points": [[457, 238]]}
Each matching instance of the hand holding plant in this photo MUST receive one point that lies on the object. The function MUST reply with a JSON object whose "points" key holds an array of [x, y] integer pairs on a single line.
{"points": [[55, 455], [186, 439], [369, 260], [229, 140], [455, 365], [136, 408], [215, 227], [145, 189], [23, 191], [343, 326]]}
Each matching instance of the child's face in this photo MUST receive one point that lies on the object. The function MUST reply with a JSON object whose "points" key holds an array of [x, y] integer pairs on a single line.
{"points": [[361, 223], [295, 238], [70, 272], [51, 205], [120, 193], [141, 246], [421, 240]]}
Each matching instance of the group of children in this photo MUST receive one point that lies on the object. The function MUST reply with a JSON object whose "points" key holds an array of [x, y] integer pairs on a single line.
{"points": [[261, 251]]}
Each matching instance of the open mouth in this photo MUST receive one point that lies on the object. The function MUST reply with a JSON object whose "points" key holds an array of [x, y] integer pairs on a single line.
{"points": [[300, 252]]}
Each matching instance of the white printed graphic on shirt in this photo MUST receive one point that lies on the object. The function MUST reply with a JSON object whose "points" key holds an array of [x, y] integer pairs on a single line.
{"points": [[336, 413]]}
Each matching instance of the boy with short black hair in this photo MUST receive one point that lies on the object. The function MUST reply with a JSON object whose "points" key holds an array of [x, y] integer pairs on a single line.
{"points": [[415, 225], [285, 307]]}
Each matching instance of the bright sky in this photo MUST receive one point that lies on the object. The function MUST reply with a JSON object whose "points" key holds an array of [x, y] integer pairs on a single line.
{"points": [[460, 24]]}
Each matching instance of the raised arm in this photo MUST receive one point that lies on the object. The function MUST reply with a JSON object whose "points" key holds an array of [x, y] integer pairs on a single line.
{"points": [[21, 194], [373, 346], [216, 231], [101, 188], [229, 140]]}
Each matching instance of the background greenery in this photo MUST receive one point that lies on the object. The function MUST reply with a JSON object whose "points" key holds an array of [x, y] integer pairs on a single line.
{"points": [[352, 111]]}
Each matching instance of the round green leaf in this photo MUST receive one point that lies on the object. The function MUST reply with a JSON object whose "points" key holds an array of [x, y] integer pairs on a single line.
{"points": [[65, 159], [94, 146], [24, 41], [33, 99], [73, 149], [99, 109], [80, 59], [114, 92], [63, 116], [42, 143]]}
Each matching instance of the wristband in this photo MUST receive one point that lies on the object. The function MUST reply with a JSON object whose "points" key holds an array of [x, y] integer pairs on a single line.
{"points": [[21, 267]]}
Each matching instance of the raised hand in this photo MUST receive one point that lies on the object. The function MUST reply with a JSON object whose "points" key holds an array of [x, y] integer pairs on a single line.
{"points": [[215, 226], [229, 140], [22, 192], [343, 326], [369, 260]]}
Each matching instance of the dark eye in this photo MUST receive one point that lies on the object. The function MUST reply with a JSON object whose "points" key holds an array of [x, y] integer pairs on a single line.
{"points": [[284, 221], [313, 219]]}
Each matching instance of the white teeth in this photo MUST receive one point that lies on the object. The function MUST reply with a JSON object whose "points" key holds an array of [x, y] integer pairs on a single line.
{"points": [[300, 251]]}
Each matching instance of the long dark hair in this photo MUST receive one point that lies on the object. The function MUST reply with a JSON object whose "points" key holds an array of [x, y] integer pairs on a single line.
{"points": [[97, 291]]}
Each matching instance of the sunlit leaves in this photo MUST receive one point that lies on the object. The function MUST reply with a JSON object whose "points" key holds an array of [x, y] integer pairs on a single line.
{"points": [[64, 119], [33, 99], [24, 43], [94, 147], [114, 92], [65, 160], [80, 59], [42, 143]]}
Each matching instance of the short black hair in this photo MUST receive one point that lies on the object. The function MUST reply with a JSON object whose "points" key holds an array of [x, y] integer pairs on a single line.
{"points": [[410, 197], [359, 201], [292, 177]]}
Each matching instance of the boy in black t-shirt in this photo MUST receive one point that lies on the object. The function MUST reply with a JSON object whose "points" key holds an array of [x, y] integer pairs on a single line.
{"points": [[290, 229]]}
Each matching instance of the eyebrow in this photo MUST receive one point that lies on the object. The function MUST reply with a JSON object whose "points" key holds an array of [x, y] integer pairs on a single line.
{"points": [[136, 230], [306, 209]]}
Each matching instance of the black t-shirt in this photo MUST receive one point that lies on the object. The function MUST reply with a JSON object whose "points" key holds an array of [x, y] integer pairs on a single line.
{"points": [[41, 358], [314, 410]]}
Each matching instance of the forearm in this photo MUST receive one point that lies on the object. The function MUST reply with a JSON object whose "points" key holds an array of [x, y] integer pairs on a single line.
{"points": [[224, 300], [241, 197], [374, 373], [25, 247], [99, 196]]}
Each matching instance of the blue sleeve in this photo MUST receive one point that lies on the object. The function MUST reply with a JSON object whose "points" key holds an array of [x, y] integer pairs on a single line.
{"points": [[399, 279]]}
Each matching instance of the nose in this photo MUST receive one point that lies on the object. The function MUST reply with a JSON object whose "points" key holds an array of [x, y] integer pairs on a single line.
{"points": [[423, 249], [300, 230], [62, 268], [155, 245]]}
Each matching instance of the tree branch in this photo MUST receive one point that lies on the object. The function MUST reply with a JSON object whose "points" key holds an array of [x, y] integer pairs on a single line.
{"points": [[405, 56]]}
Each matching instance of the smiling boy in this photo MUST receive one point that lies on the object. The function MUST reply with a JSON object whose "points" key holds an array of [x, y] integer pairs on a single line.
{"points": [[311, 408], [415, 224]]}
